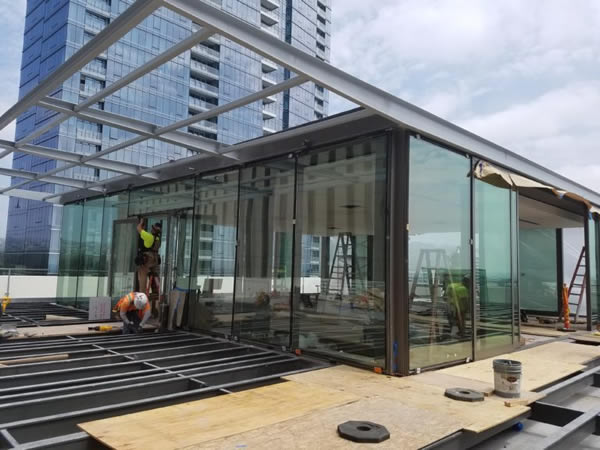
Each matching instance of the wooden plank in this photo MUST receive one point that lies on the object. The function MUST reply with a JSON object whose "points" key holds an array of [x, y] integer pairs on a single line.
{"points": [[586, 338], [447, 381], [12, 362], [408, 393], [542, 331], [192, 423], [410, 428], [542, 365]]}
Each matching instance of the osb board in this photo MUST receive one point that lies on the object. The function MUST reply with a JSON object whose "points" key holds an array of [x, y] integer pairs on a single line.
{"points": [[542, 331], [408, 393], [410, 428], [563, 351], [587, 338], [542, 365], [193, 423]]}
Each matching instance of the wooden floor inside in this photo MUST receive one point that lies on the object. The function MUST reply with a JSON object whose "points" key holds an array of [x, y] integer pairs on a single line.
{"points": [[304, 410]]}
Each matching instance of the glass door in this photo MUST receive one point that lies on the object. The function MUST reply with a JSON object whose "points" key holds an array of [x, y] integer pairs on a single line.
{"points": [[122, 270], [495, 249]]}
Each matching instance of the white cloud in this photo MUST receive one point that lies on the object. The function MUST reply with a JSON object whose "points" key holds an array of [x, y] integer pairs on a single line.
{"points": [[522, 74]]}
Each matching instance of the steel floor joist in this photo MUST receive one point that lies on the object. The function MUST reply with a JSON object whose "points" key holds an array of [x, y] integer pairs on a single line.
{"points": [[107, 375], [27, 314]]}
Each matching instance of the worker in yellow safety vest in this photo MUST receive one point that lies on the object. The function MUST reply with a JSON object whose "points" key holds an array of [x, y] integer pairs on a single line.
{"points": [[148, 259], [134, 310], [458, 297]]}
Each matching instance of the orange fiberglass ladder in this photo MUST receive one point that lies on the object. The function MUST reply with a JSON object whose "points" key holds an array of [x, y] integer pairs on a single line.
{"points": [[578, 281]]}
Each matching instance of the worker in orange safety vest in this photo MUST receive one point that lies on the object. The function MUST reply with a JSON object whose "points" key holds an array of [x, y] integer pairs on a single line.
{"points": [[134, 310]]}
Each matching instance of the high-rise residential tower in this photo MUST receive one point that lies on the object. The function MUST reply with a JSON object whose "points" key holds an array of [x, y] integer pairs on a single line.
{"points": [[212, 73]]}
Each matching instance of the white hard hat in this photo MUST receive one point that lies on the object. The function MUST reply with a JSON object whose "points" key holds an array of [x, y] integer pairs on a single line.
{"points": [[140, 301]]}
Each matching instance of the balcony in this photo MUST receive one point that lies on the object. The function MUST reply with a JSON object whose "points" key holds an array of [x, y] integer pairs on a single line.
{"points": [[204, 69], [269, 99], [99, 7], [268, 66], [320, 93], [199, 105], [271, 30], [203, 50], [268, 81], [270, 4], [89, 136], [203, 88], [269, 111], [319, 107], [269, 18], [268, 129], [204, 126]]}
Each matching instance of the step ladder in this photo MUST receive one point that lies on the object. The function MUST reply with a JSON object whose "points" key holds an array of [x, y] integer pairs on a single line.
{"points": [[577, 285], [435, 263], [341, 273]]}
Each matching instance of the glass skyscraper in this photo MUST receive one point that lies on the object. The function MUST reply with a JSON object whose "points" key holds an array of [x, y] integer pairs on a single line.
{"points": [[212, 73]]}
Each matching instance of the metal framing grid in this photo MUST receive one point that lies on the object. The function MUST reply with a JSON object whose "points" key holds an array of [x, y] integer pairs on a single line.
{"points": [[107, 375], [27, 314], [210, 153]]}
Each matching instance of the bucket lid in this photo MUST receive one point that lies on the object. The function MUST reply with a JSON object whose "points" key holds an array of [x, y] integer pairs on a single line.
{"points": [[507, 364]]}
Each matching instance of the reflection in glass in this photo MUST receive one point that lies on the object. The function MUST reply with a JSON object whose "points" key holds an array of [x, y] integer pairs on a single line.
{"points": [[439, 255], [91, 243], [340, 300], [493, 267], [211, 303], [264, 260], [538, 269], [70, 244]]}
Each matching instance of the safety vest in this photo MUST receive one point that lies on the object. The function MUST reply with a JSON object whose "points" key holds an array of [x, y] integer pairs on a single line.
{"points": [[126, 303]]}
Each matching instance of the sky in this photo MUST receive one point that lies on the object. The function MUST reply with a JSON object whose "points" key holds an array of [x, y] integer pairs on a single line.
{"points": [[524, 74]]}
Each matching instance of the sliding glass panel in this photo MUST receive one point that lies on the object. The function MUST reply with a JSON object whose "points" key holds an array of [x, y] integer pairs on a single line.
{"points": [[215, 230], [70, 245], [115, 208], [538, 268], [340, 301], [91, 243], [493, 269], [439, 255], [264, 262]]}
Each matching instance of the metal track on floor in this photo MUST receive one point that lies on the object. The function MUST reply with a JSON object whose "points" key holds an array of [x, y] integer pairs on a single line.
{"points": [[27, 314], [107, 375]]}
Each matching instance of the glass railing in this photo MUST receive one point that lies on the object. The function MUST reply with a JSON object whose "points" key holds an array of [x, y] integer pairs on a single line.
{"points": [[95, 26], [196, 65], [200, 103], [206, 51], [271, 17], [205, 124], [89, 135], [197, 84]]}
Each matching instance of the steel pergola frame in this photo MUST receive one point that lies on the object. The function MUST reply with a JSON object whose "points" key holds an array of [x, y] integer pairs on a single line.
{"points": [[214, 21]]}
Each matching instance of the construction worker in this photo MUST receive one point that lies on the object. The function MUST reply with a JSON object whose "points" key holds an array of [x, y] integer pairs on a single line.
{"points": [[458, 297], [134, 310], [148, 259]]}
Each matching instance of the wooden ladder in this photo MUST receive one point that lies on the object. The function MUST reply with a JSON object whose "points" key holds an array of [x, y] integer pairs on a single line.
{"points": [[577, 285]]}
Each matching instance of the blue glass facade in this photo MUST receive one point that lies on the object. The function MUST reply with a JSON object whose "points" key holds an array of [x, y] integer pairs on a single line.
{"points": [[213, 73]]}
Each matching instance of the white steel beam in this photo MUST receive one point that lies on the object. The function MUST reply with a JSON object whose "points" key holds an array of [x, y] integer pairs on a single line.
{"points": [[34, 176], [31, 195], [366, 95], [61, 155], [108, 36]]}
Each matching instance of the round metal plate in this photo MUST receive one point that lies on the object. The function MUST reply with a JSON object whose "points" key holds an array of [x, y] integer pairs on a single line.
{"points": [[464, 395], [365, 432]]}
